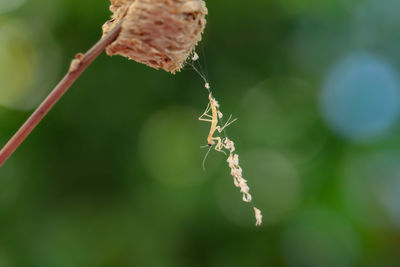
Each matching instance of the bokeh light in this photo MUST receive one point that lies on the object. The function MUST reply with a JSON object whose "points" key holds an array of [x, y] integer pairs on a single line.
{"points": [[170, 149], [274, 184], [18, 59], [371, 188], [382, 12], [7, 6], [282, 114], [28, 66], [319, 237], [72, 237], [360, 98]]}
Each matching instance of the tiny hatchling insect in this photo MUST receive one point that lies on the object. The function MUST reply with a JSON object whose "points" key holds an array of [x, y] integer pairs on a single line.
{"points": [[214, 118]]}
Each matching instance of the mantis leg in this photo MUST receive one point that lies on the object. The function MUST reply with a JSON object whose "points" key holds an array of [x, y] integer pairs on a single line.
{"points": [[220, 129], [208, 120], [205, 116], [219, 145], [205, 113]]}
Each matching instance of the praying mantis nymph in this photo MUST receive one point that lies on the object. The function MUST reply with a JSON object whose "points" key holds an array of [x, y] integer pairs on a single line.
{"points": [[236, 171], [214, 118]]}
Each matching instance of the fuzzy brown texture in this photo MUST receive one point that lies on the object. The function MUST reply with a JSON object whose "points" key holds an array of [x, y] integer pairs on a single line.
{"points": [[158, 33]]}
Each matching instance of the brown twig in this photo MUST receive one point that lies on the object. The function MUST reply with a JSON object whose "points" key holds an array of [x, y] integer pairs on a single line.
{"points": [[78, 66]]}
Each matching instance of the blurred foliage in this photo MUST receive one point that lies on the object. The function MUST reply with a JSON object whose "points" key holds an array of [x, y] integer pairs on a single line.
{"points": [[113, 175]]}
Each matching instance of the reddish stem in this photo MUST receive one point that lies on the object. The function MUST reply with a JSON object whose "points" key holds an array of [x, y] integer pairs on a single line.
{"points": [[78, 66]]}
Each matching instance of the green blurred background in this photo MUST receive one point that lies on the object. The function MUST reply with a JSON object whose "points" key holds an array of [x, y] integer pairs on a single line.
{"points": [[113, 175]]}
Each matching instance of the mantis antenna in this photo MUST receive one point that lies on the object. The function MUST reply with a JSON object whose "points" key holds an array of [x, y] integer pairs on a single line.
{"points": [[205, 157]]}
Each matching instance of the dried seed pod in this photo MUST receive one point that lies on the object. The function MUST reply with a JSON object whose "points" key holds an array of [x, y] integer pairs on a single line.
{"points": [[158, 33]]}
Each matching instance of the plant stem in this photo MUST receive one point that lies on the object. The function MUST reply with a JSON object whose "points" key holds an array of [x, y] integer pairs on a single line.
{"points": [[78, 66]]}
